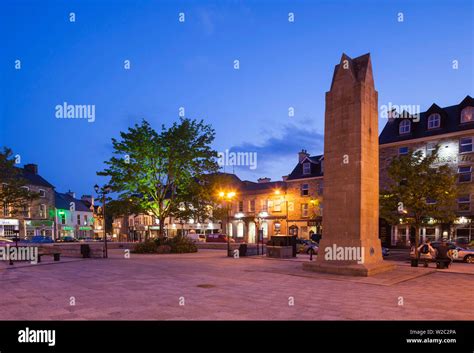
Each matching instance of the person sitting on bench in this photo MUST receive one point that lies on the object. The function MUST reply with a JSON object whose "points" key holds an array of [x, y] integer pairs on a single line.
{"points": [[442, 257]]}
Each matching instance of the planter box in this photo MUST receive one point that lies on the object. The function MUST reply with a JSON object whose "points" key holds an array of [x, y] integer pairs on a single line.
{"points": [[280, 252]]}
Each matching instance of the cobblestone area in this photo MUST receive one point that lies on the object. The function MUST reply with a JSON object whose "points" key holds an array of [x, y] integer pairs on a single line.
{"points": [[209, 286]]}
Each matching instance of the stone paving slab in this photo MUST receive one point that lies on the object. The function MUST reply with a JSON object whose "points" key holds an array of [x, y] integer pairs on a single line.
{"points": [[149, 287]]}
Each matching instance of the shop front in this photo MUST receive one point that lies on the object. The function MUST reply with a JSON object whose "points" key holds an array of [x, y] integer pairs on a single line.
{"points": [[9, 228], [38, 227]]}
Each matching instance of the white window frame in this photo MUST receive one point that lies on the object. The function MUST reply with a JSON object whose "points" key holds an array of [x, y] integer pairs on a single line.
{"points": [[304, 210], [44, 193], [464, 173], [404, 127], [434, 121], [465, 144], [306, 168], [303, 188], [463, 114], [464, 202]]}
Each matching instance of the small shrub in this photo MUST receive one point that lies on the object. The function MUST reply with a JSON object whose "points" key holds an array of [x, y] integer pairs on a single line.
{"points": [[181, 245], [147, 247], [163, 249]]}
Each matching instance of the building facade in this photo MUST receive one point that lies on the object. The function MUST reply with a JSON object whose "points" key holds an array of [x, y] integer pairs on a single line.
{"points": [[37, 218], [452, 128], [73, 217]]}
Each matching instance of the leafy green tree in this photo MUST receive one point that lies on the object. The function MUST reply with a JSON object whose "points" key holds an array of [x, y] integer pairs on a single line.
{"points": [[160, 167], [13, 193], [420, 190]]}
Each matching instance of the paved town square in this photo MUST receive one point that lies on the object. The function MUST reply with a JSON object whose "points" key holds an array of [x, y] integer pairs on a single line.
{"points": [[209, 286]]}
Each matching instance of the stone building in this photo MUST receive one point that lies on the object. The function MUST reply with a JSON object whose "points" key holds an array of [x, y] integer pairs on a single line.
{"points": [[304, 196], [453, 129], [37, 218]]}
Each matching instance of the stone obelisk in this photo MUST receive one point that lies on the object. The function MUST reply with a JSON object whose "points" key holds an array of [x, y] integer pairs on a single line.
{"points": [[350, 244]]}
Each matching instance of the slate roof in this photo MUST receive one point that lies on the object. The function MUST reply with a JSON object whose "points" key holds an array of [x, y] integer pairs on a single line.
{"points": [[63, 201], [34, 179], [450, 122], [297, 172]]}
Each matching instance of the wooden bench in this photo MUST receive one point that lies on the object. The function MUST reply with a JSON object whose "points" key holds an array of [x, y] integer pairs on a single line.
{"points": [[56, 254]]}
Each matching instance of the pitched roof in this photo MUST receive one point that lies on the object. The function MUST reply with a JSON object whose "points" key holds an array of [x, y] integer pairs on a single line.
{"points": [[315, 165], [33, 179], [63, 201], [450, 122], [250, 186]]}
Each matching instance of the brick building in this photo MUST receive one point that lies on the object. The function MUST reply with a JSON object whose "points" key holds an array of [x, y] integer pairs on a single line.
{"points": [[453, 129]]}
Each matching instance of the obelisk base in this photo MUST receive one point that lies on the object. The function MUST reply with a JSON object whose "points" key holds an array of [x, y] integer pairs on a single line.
{"points": [[349, 270]]}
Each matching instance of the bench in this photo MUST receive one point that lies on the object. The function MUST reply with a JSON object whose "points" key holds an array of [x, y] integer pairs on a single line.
{"points": [[56, 254]]}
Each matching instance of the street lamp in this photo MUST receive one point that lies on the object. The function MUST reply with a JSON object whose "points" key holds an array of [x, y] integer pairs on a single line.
{"points": [[259, 220], [227, 197], [105, 190]]}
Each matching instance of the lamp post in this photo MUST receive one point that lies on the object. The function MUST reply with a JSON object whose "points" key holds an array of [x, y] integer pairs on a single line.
{"points": [[105, 190], [227, 197], [259, 220]]}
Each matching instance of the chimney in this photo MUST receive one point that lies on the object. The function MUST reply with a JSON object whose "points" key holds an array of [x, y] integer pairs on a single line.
{"points": [[284, 177], [302, 155], [263, 180], [32, 168], [72, 194]]}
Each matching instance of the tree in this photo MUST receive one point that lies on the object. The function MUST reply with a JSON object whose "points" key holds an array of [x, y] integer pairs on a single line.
{"points": [[13, 193], [420, 191], [161, 166]]}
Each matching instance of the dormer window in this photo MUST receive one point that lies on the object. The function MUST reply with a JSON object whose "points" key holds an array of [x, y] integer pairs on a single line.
{"points": [[434, 121], [467, 115], [404, 127], [306, 168]]}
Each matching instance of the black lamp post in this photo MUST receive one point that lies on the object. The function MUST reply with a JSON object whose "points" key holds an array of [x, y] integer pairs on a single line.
{"points": [[106, 189]]}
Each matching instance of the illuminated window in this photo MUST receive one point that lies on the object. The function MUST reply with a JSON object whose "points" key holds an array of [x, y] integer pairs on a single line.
{"points": [[240, 230], [465, 144], [467, 115], [304, 210], [434, 121], [252, 206], [241, 206], [306, 168], [42, 211], [404, 127], [277, 205]]}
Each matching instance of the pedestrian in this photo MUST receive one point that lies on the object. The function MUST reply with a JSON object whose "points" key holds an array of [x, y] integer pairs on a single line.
{"points": [[426, 252], [443, 260]]}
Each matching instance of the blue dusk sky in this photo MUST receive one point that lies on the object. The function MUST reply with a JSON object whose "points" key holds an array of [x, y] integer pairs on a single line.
{"points": [[190, 64]]}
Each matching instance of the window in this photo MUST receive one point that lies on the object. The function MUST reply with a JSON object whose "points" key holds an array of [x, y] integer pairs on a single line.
{"points": [[85, 220], [6, 212], [26, 188], [306, 168], [320, 188], [465, 145], [277, 205], [252, 206], [434, 121], [79, 219], [26, 211], [42, 211], [467, 115], [241, 206], [430, 147], [42, 193], [304, 189], [464, 203], [264, 205], [464, 174], [304, 210], [402, 151], [404, 127], [63, 218]]}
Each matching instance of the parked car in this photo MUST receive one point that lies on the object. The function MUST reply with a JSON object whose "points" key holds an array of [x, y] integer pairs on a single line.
{"points": [[197, 238], [42, 239], [217, 238], [68, 239], [306, 246], [458, 253]]}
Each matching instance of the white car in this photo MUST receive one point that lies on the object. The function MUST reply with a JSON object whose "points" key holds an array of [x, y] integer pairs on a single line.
{"points": [[197, 238]]}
